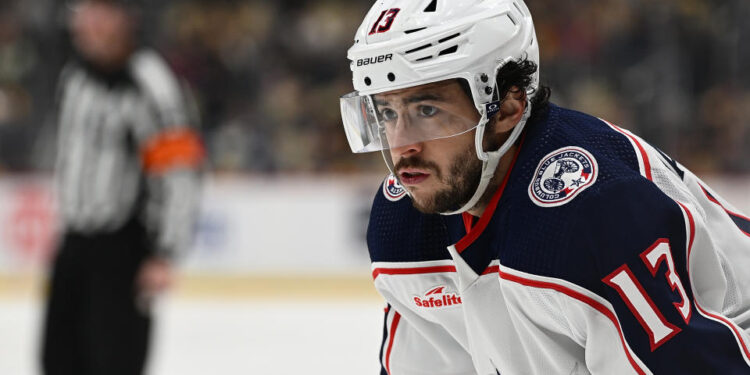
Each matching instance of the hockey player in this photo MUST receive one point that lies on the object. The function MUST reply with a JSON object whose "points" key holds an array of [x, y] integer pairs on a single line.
{"points": [[517, 237]]}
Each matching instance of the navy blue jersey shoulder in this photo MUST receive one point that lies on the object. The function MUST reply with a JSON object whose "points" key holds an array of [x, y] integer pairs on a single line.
{"points": [[551, 240], [398, 232]]}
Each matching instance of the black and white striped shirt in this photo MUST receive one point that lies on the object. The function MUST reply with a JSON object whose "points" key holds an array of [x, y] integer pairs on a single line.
{"points": [[127, 148]]}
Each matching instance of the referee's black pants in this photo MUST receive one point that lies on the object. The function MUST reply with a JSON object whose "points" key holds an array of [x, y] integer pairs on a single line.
{"points": [[94, 324]]}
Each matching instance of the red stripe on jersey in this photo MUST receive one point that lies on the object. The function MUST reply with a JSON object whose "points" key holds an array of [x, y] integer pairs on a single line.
{"points": [[391, 336], [479, 227], [421, 270], [709, 196], [743, 345], [411, 271], [692, 233], [641, 150], [468, 220], [712, 199], [491, 269], [732, 326], [730, 213], [583, 298]]}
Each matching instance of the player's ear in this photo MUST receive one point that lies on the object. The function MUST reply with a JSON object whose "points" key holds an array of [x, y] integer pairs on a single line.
{"points": [[500, 126], [511, 110]]}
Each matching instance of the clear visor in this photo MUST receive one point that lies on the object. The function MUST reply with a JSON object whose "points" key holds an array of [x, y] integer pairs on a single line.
{"points": [[403, 117]]}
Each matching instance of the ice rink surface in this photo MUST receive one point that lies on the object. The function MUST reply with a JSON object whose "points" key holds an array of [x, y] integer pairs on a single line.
{"points": [[229, 336]]}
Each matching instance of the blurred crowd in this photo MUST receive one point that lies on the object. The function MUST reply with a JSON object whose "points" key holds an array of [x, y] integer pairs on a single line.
{"points": [[266, 76]]}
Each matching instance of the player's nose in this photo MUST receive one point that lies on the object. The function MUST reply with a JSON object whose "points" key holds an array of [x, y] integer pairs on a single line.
{"points": [[403, 138], [407, 150]]}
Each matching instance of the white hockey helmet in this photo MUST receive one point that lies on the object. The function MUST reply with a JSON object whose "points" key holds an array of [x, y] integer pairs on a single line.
{"points": [[407, 43]]}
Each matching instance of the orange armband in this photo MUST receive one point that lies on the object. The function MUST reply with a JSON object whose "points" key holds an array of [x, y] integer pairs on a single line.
{"points": [[172, 148]]}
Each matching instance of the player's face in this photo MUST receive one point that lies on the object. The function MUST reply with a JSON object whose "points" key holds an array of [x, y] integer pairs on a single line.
{"points": [[440, 174]]}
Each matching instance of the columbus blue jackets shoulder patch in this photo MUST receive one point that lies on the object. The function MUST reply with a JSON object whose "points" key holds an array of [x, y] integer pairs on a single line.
{"points": [[392, 190], [561, 175]]}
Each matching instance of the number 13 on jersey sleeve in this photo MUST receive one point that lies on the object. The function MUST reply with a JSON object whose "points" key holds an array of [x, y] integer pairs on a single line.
{"points": [[641, 305]]}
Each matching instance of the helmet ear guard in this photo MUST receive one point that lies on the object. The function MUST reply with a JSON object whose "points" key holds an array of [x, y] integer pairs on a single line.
{"points": [[491, 159]]}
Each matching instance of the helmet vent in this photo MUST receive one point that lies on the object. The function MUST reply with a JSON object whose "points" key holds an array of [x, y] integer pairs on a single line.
{"points": [[418, 48], [431, 7], [512, 20], [448, 51], [443, 52], [447, 38], [414, 30], [423, 58]]}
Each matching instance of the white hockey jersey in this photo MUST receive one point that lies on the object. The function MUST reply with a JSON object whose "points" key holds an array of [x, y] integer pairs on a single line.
{"points": [[599, 254]]}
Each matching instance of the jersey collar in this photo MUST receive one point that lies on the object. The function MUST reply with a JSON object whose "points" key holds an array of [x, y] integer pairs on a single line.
{"points": [[474, 228]]}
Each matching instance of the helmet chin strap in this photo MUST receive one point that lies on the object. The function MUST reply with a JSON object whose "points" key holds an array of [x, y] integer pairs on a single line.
{"points": [[490, 160]]}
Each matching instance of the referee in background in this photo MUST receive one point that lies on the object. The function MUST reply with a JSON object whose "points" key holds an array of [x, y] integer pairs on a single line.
{"points": [[127, 181]]}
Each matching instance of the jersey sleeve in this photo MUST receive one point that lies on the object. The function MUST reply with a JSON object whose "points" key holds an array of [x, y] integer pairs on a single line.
{"points": [[172, 155], [621, 297], [641, 244], [729, 231]]}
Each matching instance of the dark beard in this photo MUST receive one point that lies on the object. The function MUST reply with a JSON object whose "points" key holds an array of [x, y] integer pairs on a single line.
{"points": [[462, 181]]}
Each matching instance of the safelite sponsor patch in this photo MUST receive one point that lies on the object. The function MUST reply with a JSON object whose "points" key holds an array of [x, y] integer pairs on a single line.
{"points": [[436, 298]]}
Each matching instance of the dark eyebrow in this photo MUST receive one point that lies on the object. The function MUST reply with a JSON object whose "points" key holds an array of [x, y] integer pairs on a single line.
{"points": [[412, 99], [423, 97]]}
